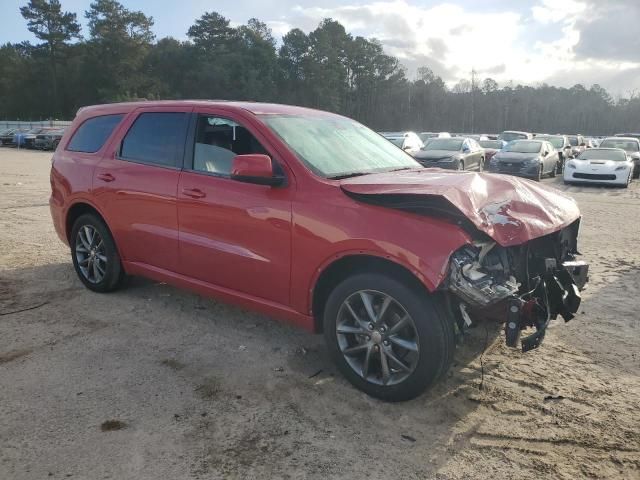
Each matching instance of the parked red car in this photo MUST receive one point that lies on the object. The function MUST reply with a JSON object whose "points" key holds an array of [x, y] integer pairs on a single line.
{"points": [[313, 218]]}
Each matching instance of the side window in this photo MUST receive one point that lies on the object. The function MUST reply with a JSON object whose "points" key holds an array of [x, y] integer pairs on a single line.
{"points": [[91, 135], [156, 138], [218, 140]]}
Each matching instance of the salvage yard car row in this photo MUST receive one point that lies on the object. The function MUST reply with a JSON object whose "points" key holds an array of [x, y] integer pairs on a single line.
{"points": [[41, 138], [534, 156]]}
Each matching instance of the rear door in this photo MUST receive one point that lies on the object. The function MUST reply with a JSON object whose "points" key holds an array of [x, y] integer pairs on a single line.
{"points": [[232, 234], [135, 185]]}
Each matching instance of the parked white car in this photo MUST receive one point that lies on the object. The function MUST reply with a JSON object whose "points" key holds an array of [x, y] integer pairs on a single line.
{"points": [[600, 165], [408, 141]]}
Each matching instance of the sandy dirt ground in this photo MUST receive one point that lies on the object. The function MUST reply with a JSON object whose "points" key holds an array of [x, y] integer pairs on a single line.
{"points": [[152, 382]]}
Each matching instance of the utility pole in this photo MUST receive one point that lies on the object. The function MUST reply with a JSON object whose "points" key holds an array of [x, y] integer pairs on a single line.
{"points": [[473, 100]]}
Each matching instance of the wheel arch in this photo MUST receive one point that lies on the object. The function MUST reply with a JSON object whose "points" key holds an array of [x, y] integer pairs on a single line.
{"points": [[350, 264], [81, 207]]}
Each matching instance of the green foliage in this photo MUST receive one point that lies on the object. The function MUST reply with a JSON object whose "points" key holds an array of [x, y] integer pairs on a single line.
{"points": [[328, 68]]}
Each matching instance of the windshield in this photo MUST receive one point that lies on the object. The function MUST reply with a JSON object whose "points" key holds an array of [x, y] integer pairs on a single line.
{"points": [[627, 145], [451, 144], [397, 141], [497, 144], [557, 142], [335, 146], [509, 136], [427, 135], [599, 154], [573, 141], [522, 146]]}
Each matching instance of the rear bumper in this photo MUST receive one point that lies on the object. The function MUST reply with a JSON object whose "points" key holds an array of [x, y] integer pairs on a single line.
{"points": [[58, 218]]}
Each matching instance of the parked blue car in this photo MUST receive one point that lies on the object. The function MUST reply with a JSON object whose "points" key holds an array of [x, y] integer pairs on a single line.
{"points": [[28, 139]]}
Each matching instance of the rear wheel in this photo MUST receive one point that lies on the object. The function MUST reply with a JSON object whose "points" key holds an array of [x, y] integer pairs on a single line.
{"points": [[390, 340], [94, 254], [461, 166], [554, 170]]}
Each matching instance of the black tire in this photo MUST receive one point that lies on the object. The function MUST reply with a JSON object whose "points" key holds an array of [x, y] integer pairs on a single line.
{"points": [[540, 173], [461, 166], [113, 273], [554, 170], [481, 165], [434, 335], [636, 173]]}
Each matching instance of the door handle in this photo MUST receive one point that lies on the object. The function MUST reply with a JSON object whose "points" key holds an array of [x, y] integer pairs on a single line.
{"points": [[193, 193], [106, 177]]}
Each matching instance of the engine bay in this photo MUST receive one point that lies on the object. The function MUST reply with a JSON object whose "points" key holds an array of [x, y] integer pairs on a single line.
{"points": [[529, 285]]}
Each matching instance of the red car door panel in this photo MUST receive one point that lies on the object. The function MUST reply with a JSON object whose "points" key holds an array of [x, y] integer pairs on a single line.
{"points": [[235, 235], [140, 201]]}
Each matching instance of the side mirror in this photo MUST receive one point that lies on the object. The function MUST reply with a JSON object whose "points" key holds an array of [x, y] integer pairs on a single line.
{"points": [[255, 168], [466, 149]]}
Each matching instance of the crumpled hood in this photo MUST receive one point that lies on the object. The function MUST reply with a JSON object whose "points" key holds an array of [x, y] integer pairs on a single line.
{"points": [[509, 209]]}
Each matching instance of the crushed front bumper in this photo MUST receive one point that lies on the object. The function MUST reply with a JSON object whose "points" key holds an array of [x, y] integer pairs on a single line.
{"points": [[560, 289], [514, 286]]}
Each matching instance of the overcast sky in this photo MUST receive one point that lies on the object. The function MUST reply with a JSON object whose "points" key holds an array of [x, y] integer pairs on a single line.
{"points": [[561, 42]]}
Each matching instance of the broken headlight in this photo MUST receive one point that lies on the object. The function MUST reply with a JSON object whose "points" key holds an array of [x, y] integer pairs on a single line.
{"points": [[479, 275]]}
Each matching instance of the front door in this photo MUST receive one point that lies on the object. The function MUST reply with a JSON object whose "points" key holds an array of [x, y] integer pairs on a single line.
{"points": [[232, 234]]}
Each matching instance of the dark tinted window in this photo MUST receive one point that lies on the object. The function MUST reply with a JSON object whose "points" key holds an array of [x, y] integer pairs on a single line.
{"points": [[93, 133], [156, 138]]}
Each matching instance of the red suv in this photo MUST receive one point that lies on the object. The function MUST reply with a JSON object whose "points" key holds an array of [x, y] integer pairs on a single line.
{"points": [[313, 218]]}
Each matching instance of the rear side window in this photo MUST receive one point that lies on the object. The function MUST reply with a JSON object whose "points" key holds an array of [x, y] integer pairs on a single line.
{"points": [[156, 138], [92, 134]]}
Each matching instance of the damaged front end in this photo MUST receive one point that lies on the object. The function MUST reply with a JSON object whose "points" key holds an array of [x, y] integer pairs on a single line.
{"points": [[527, 285]]}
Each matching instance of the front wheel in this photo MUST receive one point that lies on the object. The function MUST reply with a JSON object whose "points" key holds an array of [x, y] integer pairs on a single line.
{"points": [[540, 173], [481, 165], [390, 340], [94, 254]]}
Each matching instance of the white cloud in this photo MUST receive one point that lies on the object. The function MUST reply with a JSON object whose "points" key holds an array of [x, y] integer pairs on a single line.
{"points": [[555, 11], [447, 33], [522, 45]]}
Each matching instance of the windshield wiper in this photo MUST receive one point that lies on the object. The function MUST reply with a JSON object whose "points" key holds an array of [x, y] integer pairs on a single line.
{"points": [[348, 175]]}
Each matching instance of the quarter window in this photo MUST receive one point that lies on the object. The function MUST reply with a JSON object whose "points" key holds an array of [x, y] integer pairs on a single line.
{"points": [[218, 140], [156, 138], [91, 135]]}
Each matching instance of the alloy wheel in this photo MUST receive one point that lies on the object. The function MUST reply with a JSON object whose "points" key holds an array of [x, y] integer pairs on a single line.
{"points": [[90, 254], [377, 337]]}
